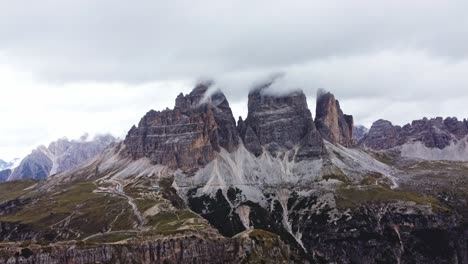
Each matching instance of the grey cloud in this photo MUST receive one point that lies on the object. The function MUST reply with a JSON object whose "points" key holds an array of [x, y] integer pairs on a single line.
{"points": [[147, 40], [398, 60]]}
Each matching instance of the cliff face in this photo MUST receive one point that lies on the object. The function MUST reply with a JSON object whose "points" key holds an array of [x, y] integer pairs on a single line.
{"points": [[187, 136], [332, 124], [432, 133], [249, 247], [277, 122]]}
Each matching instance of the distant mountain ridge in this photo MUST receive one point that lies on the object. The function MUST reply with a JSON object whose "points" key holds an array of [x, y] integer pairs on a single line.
{"points": [[430, 139], [8, 165], [59, 156], [359, 132]]}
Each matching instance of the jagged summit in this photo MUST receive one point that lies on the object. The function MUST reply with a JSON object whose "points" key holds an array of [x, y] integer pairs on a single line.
{"points": [[279, 122], [201, 124], [433, 139], [194, 98], [187, 136], [333, 125], [61, 155]]}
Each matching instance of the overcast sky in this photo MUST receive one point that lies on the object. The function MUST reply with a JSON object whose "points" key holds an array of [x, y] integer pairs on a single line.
{"points": [[73, 66]]}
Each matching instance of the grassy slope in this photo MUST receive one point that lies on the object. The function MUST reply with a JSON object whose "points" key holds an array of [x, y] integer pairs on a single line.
{"points": [[88, 212]]}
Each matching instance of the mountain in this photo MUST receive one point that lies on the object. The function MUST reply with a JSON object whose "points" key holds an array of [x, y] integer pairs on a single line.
{"points": [[4, 174], [189, 186], [5, 169], [359, 131], [334, 126], [279, 123], [188, 136], [8, 165], [59, 156], [429, 139]]}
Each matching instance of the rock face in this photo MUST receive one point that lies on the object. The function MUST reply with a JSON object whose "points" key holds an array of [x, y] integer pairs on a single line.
{"points": [[4, 174], [36, 165], [276, 122], [59, 156], [432, 133], [330, 121], [358, 132], [247, 248], [187, 136]]}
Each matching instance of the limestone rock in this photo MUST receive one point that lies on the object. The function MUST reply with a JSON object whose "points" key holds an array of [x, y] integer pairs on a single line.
{"points": [[330, 121], [188, 136], [432, 133], [277, 122]]}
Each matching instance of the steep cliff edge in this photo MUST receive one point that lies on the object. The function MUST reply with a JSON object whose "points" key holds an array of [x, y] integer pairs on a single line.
{"points": [[187, 136], [280, 122], [332, 124]]}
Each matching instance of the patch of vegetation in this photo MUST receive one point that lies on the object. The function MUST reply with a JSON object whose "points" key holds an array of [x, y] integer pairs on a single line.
{"points": [[350, 197], [267, 246], [336, 176], [166, 182], [144, 197], [14, 189], [173, 220], [335, 173], [260, 233], [376, 179], [145, 204], [111, 237], [75, 209], [384, 157]]}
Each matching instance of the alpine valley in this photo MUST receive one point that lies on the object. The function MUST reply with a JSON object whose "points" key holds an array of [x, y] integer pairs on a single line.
{"points": [[192, 185]]}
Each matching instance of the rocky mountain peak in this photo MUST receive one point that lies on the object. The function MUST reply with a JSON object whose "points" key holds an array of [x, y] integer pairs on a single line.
{"points": [[279, 122], [194, 98], [381, 135], [188, 136], [431, 133], [60, 155], [358, 132], [332, 124]]}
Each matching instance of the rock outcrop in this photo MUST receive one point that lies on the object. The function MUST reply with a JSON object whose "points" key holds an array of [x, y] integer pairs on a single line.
{"points": [[432, 133], [330, 121], [188, 136], [278, 122], [250, 247], [59, 156]]}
